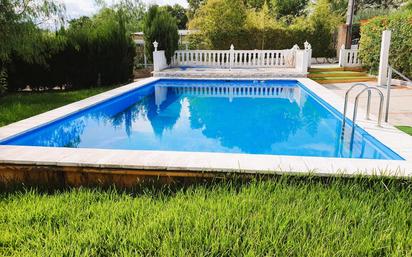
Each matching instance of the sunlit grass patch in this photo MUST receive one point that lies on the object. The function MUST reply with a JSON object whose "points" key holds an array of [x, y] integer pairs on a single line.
{"points": [[284, 216], [22, 105]]}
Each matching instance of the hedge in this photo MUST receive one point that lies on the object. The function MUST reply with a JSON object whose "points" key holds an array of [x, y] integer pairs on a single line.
{"points": [[322, 41], [401, 43], [224, 22], [88, 54]]}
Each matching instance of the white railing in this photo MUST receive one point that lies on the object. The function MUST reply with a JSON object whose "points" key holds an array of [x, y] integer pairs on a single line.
{"points": [[228, 59], [210, 58], [234, 58], [349, 58]]}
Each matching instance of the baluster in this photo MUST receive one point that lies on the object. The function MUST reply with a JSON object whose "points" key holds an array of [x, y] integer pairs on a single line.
{"points": [[250, 59], [243, 58], [256, 58], [271, 58], [356, 60], [214, 59], [261, 58], [265, 58], [234, 59]]}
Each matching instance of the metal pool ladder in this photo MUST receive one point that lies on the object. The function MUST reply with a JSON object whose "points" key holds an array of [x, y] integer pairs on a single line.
{"points": [[368, 89]]}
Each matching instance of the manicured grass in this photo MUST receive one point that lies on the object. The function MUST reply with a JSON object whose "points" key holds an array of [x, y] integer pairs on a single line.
{"points": [[18, 106], [285, 216], [405, 129]]}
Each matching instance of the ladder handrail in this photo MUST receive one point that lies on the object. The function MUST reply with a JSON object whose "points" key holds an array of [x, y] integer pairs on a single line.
{"points": [[400, 74], [355, 107], [388, 88], [345, 106]]}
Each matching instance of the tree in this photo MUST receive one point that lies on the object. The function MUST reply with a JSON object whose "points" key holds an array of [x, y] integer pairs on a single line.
{"points": [[19, 20], [340, 6], [179, 13], [133, 12], [160, 26], [194, 5], [261, 21], [292, 8], [220, 21], [255, 4], [322, 24]]}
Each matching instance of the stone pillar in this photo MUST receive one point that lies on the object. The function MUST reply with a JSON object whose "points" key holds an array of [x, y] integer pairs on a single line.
{"points": [[384, 58], [341, 40], [301, 61]]}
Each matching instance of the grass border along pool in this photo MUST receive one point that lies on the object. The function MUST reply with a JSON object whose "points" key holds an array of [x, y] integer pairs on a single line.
{"points": [[406, 129], [283, 216], [21, 105]]}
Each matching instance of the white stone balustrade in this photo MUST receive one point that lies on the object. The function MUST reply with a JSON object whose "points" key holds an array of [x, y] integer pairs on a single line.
{"points": [[349, 57], [294, 58], [234, 58]]}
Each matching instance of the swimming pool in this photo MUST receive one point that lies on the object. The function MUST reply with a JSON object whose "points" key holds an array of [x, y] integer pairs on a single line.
{"points": [[271, 117]]}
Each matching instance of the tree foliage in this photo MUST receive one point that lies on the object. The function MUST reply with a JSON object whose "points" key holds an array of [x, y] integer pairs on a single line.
{"points": [[160, 26], [340, 6], [179, 13], [400, 56], [193, 6], [225, 22], [133, 12], [19, 32], [292, 8], [91, 50], [261, 21], [219, 21]]}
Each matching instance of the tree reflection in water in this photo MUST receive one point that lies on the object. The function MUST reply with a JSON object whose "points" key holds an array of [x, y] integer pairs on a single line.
{"points": [[237, 123]]}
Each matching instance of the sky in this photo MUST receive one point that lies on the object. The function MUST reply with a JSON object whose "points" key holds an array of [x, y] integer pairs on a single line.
{"points": [[78, 8]]}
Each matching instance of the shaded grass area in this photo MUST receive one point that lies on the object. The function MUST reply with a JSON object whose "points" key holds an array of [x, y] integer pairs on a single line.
{"points": [[406, 129], [22, 105], [284, 216]]}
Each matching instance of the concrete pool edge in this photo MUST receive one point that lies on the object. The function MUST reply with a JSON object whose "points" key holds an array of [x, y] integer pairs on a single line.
{"points": [[160, 161]]}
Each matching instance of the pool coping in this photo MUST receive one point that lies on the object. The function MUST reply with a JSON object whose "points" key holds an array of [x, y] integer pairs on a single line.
{"points": [[398, 141]]}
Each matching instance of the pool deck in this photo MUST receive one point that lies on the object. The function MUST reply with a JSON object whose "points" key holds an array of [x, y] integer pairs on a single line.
{"points": [[75, 166], [400, 111]]}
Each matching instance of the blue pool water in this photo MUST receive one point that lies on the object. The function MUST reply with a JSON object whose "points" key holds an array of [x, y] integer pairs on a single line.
{"points": [[254, 117]]}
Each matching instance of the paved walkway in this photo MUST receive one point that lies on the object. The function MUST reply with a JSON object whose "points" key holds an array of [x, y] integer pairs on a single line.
{"points": [[400, 111]]}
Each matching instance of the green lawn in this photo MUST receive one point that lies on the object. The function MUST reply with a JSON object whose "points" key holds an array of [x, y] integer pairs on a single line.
{"points": [[285, 216], [405, 129], [18, 106]]}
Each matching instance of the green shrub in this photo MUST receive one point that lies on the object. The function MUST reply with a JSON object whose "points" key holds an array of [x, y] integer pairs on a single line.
{"points": [[225, 22], [89, 51], [160, 26], [401, 43], [3, 80]]}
